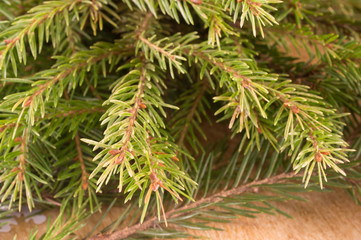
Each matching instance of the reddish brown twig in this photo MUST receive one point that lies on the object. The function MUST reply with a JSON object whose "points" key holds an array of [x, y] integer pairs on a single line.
{"points": [[84, 174], [192, 111], [218, 197]]}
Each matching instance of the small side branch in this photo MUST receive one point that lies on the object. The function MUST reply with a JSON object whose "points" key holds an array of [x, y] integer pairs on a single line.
{"points": [[84, 174], [128, 231], [246, 82], [134, 111], [23, 147], [157, 48], [144, 24], [65, 73], [192, 112]]}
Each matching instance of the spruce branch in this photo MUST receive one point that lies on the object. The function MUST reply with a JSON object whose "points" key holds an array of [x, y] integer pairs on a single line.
{"points": [[145, 21], [162, 49], [22, 166], [17, 178], [66, 71], [134, 112], [74, 112], [68, 113], [322, 47], [253, 11], [203, 202], [84, 174], [247, 89], [141, 164], [214, 14], [43, 17], [173, 59]]}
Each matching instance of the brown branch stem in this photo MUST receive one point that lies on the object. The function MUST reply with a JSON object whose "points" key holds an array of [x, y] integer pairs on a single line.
{"points": [[137, 102], [84, 174], [132, 119], [64, 74], [245, 81], [159, 49], [191, 113], [10, 43], [61, 114], [144, 24], [75, 112], [22, 156], [218, 197]]}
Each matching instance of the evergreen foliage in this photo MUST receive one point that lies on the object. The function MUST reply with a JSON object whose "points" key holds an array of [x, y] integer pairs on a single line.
{"points": [[107, 102]]}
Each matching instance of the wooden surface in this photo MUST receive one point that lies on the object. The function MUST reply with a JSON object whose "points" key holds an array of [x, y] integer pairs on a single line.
{"points": [[331, 215], [325, 216]]}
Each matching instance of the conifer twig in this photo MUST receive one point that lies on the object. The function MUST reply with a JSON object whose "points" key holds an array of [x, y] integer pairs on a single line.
{"points": [[155, 47], [9, 43], [144, 24], [84, 174], [215, 198], [134, 112], [22, 156], [57, 115], [192, 111], [245, 81], [66, 73]]}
